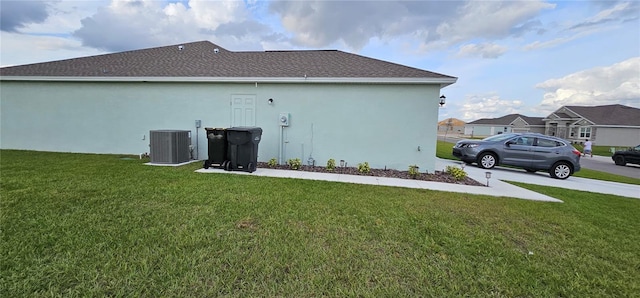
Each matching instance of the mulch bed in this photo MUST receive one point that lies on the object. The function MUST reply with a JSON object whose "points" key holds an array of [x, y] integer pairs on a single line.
{"points": [[438, 176]]}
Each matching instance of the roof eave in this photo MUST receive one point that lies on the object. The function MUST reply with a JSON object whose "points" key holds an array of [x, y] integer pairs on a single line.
{"points": [[617, 126], [443, 82]]}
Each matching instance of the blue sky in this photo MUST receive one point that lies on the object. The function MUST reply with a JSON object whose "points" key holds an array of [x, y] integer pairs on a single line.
{"points": [[527, 57]]}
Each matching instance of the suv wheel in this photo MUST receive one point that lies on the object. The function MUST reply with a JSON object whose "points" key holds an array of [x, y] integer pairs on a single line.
{"points": [[560, 170], [619, 160], [487, 160]]}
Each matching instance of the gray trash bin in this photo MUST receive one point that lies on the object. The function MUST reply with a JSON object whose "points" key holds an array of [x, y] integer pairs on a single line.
{"points": [[242, 148]]}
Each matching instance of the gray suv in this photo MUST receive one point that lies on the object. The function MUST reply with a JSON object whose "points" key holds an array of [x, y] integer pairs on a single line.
{"points": [[530, 151]]}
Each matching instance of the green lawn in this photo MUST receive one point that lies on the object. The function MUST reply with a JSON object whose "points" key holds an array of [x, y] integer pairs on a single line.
{"points": [[600, 150], [445, 150], [99, 225]]}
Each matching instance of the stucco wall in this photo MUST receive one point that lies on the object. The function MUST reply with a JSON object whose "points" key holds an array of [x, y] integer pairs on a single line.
{"points": [[383, 125]]}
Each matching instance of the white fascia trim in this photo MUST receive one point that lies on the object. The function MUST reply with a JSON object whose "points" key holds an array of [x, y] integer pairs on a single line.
{"points": [[441, 81], [514, 120]]}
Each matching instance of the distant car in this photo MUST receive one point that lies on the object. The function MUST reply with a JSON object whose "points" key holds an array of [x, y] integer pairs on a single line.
{"points": [[623, 157], [530, 151]]}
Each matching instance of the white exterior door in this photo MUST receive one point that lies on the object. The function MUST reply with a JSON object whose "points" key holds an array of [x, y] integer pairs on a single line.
{"points": [[243, 110]]}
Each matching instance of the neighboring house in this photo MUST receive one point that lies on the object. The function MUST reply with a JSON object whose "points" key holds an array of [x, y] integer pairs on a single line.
{"points": [[609, 125], [509, 123], [451, 126], [341, 105]]}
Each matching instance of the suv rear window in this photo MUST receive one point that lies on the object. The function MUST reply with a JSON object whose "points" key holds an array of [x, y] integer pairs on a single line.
{"points": [[549, 143]]}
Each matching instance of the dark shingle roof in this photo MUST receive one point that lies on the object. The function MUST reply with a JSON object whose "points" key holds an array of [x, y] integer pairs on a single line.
{"points": [[198, 59], [508, 119], [563, 115], [533, 120], [609, 114]]}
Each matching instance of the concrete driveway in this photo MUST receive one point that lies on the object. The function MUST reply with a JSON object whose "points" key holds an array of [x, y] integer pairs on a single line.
{"points": [[499, 174]]}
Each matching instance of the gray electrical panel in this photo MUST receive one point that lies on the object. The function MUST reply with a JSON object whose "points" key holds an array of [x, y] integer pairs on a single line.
{"points": [[169, 146]]}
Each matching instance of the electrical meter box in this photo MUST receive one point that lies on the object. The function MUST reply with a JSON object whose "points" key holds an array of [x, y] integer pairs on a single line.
{"points": [[284, 119]]}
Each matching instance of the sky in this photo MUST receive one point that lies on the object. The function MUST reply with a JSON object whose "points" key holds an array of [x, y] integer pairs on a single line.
{"points": [[528, 57]]}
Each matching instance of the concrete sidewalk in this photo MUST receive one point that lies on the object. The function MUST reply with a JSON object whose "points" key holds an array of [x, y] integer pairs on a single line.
{"points": [[496, 187]]}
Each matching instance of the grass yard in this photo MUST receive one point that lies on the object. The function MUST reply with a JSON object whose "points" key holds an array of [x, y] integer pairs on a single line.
{"points": [[445, 150], [98, 225], [601, 150]]}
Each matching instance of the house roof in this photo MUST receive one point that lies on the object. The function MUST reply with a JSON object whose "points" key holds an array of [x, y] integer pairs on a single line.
{"points": [[563, 115], [609, 114], [508, 119], [452, 122], [205, 59]]}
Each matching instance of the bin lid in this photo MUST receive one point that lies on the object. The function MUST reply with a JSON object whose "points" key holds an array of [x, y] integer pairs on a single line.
{"points": [[252, 129]]}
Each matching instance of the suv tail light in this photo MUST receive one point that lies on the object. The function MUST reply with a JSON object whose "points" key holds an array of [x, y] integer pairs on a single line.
{"points": [[576, 152]]}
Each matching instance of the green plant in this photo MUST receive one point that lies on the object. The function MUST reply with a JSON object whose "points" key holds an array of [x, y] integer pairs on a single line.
{"points": [[272, 162], [331, 164], [414, 171], [457, 173], [364, 168], [295, 163]]}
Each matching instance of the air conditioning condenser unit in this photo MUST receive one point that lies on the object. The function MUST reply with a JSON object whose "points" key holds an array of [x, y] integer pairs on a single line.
{"points": [[169, 146]]}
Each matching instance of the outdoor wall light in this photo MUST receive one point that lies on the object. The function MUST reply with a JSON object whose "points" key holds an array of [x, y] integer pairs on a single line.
{"points": [[270, 101], [442, 100], [488, 175]]}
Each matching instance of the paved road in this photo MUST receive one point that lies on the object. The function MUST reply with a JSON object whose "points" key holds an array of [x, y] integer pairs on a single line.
{"points": [[605, 164]]}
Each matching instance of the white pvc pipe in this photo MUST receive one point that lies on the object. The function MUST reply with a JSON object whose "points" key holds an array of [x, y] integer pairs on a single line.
{"points": [[280, 146]]}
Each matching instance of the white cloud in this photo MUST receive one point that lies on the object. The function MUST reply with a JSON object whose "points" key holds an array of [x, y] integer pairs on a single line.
{"points": [[133, 24], [605, 20], [615, 84], [537, 45], [15, 15], [487, 106], [211, 14], [619, 13], [25, 49], [433, 24], [484, 50], [488, 20]]}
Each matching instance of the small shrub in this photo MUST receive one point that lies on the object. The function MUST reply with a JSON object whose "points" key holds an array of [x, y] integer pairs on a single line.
{"points": [[457, 173], [364, 168], [272, 162], [414, 171], [295, 164], [331, 164]]}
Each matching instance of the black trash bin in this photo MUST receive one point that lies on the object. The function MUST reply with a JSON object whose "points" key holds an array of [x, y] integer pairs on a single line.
{"points": [[217, 147], [243, 148]]}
